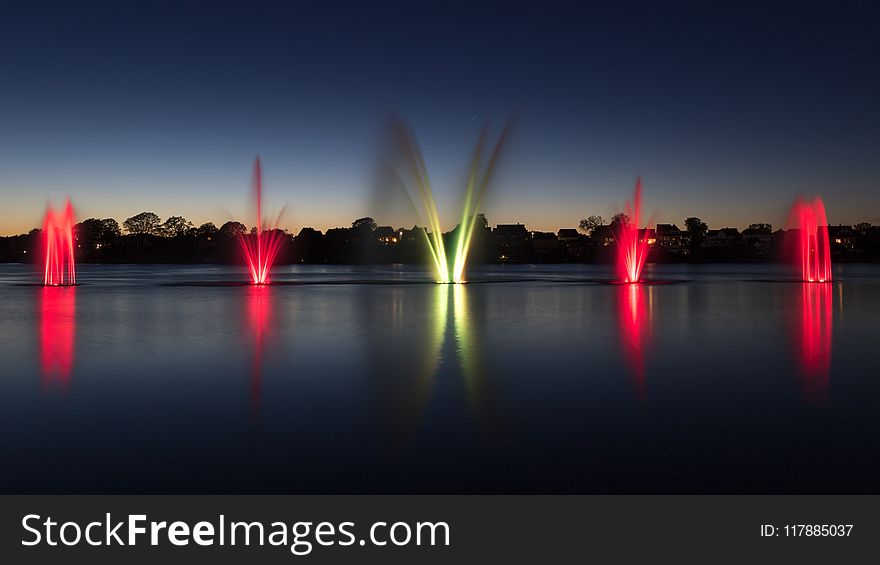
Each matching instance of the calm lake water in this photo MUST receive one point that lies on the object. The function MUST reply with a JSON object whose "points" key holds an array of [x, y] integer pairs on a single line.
{"points": [[720, 378]]}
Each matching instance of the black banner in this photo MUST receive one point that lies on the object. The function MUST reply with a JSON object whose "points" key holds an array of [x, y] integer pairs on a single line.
{"points": [[438, 529]]}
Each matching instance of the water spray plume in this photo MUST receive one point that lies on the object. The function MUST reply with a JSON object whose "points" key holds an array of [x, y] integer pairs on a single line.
{"points": [[813, 249], [632, 248], [413, 173], [57, 243], [473, 200], [408, 171], [261, 247]]}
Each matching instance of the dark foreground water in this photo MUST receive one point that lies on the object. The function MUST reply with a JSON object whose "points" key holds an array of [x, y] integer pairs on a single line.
{"points": [[714, 379]]}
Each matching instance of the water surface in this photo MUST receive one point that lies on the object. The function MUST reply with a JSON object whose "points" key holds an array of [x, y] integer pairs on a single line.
{"points": [[718, 378]]}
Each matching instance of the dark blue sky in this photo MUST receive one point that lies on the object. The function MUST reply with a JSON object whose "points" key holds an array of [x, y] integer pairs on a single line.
{"points": [[727, 110]]}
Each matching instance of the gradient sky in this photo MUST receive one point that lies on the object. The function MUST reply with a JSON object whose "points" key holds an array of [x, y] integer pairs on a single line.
{"points": [[727, 110]]}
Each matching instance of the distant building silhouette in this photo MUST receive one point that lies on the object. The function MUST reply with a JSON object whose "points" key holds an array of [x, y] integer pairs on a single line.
{"points": [[672, 240], [512, 242], [544, 244]]}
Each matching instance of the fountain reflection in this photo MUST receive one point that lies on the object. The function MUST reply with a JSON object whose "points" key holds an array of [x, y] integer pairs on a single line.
{"points": [[428, 349], [403, 358], [57, 332], [813, 339], [259, 308], [634, 320], [469, 344]]}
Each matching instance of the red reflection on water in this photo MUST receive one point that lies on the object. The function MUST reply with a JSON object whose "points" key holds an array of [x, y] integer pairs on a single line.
{"points": [[57, 331], [814, 339], [261, 247], [632, 245], [634, 326], [813, 250], [258, 310], [57, 247]]}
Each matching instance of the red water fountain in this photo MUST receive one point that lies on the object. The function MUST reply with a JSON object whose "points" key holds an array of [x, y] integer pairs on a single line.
{"points": [[261, 247], [813, 250], [57, 245], [632, 248]]}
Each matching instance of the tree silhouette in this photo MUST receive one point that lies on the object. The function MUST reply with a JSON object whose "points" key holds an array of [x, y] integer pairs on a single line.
{"points": [[109, 229], [176, 226], [697, 230], [364, 223], [207, 230], [232, 229], [619, 220], [145, 223], [93, 232], [588, 224]]}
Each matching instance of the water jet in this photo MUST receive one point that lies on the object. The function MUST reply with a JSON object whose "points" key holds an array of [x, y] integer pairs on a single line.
{"points": [[261, 246], [813, 250], [632, 246], [59, 266]]}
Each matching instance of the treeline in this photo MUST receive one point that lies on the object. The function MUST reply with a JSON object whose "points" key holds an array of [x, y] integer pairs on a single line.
{"points": [[145, 238]]}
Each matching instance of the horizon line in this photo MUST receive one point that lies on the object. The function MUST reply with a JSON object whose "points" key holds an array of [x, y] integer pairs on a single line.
{"points": [[294, 230]]}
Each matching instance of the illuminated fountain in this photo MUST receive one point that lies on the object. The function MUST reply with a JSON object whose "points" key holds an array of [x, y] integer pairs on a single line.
{"points": [[413, 176], [632, 246], [813, 250], [261, 246], [475, 191], [633, 317], [57, 246], [814, 331]]}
